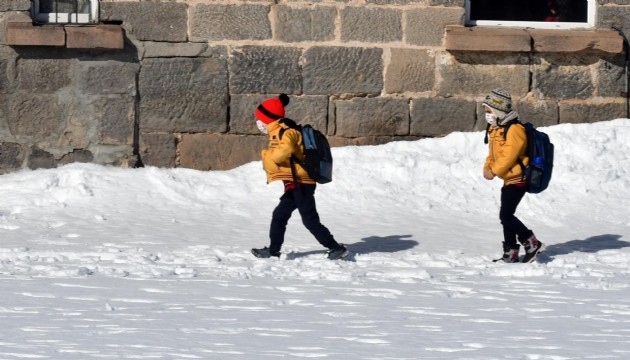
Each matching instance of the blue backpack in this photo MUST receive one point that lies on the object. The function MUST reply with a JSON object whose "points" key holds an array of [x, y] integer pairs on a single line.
{"points": [[318, 161], [540, 152]]}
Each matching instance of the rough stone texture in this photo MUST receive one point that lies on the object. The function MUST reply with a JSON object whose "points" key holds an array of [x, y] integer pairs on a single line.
{"points": [[7, 71], [162, 49], [34, 115], [11, 16], [116, 118], [614, 17], [214, 22], [8, 5], [107, 77], [82, 156], [394, 2], [11, 156], [158, 150], [265, 70], [303, 109], [44, 75], [457, 3], [94, 37], [611, 77], [292, 24], [336, 70], [460, 38], [410, 70], [219, 152], [476, 74], [183, 95], [371, 24], [562, 77], [591, 111], [40, 159], [538, 112], [439, 117], [168, 20], [575, 41], [26, 34], [372, 117], [426, 26]]}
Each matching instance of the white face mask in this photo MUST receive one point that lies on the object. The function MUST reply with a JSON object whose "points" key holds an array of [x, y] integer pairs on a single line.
{"points": [[490, 119], [262, 127]]}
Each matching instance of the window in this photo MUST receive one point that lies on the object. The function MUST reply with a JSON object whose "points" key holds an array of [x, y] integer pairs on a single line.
{"points": [[65, 11], [541, 14]]}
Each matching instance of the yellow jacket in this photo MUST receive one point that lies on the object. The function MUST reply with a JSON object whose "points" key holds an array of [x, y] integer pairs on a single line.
{"points": [[503, 153], [276, 159]]}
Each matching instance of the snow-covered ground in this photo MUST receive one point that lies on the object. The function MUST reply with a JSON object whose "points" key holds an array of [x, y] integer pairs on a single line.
{"points": [[108, 263]]}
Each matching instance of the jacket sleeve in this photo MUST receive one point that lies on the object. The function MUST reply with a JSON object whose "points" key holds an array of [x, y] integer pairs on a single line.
{"points": [[515, 144], [287, 146]]}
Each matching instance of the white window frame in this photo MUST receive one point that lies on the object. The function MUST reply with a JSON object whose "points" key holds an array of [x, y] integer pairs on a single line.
{"points": [[66, 18], [589, 24]]}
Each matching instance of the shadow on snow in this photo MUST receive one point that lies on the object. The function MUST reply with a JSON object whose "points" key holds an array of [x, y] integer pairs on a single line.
{"points": [[384, 244], [589, 245]]}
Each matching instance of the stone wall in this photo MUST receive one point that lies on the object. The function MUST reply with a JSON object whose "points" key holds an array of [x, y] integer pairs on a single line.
{"points": [[182, 90]]}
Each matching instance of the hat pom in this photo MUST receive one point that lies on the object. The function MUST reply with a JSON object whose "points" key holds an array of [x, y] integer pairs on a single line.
{"points": [[284, 99]]}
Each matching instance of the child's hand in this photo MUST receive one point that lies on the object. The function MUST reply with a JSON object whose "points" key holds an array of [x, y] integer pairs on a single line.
{"points": [[487, 174]]}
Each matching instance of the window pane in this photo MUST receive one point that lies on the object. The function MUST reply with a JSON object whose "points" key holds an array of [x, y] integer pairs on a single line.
{"points": [[65, 6], [529, 10]]}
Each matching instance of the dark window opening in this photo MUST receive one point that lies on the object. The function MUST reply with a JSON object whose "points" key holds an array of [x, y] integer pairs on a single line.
{"points": [[530, 10]]}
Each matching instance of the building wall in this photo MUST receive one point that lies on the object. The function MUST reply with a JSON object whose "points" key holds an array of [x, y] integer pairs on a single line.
{"points": [[182, 90]]}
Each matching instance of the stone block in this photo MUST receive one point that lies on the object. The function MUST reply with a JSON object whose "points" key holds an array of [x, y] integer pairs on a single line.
{"points": [[35, 115], [116, 118], [158, 150], [395, 2], [183, 95], [293, 24], [11, 17], [303, 109], [265, 70], [460, 38], [614, 17], [219, 152], [15, 5], [11, 156], [592, 111], [162, 49], [562, 77], [439, 117], [78, 155], [94, 37], [576, 40], [425, 26], [27, 34], [149, 20], [215, 22], [372, 117], [611, 77], [107, 77], [410, 70], [479, 73], [41, 75], [339, 70], [455, 3], [7, 73], [40, 159], [538, 112], [371, 24]]}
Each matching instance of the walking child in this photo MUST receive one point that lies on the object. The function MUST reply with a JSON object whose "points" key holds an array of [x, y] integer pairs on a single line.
{"points": [[286, 141], [504, 153]]}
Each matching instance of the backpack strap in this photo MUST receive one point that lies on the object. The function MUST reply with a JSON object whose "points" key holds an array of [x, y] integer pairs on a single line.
{"points": [[519, 160], [293, 159]]}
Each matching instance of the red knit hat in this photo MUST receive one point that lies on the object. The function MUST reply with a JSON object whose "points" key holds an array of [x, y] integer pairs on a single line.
{"points": [[272, 109]]}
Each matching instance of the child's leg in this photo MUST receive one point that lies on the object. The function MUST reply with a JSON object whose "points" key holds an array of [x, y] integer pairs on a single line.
{"points": [[280, 218], [305, 202], [511, 196]]}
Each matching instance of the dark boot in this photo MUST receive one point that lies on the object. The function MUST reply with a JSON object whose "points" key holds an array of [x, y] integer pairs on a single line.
{"points": [[532, 247], [510, 255], [264, 253]]}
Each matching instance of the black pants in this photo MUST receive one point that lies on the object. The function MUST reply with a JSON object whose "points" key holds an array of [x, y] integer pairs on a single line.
{"points": [[303, 199], [511, 196]]}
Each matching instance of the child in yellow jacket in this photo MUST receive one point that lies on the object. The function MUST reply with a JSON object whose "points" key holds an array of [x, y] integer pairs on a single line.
{"points": [[504, 153], [285, 141]]}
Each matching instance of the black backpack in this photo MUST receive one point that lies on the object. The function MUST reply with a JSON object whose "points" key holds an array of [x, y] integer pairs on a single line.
{"points": [[540, 153], [318, 161]]}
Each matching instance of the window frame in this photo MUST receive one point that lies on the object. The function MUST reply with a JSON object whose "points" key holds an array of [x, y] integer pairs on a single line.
{"points": [[591, 17], [64, 17]]}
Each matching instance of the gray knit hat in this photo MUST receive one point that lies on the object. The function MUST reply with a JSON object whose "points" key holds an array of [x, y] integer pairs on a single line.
{"points": [[500, 101]]}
